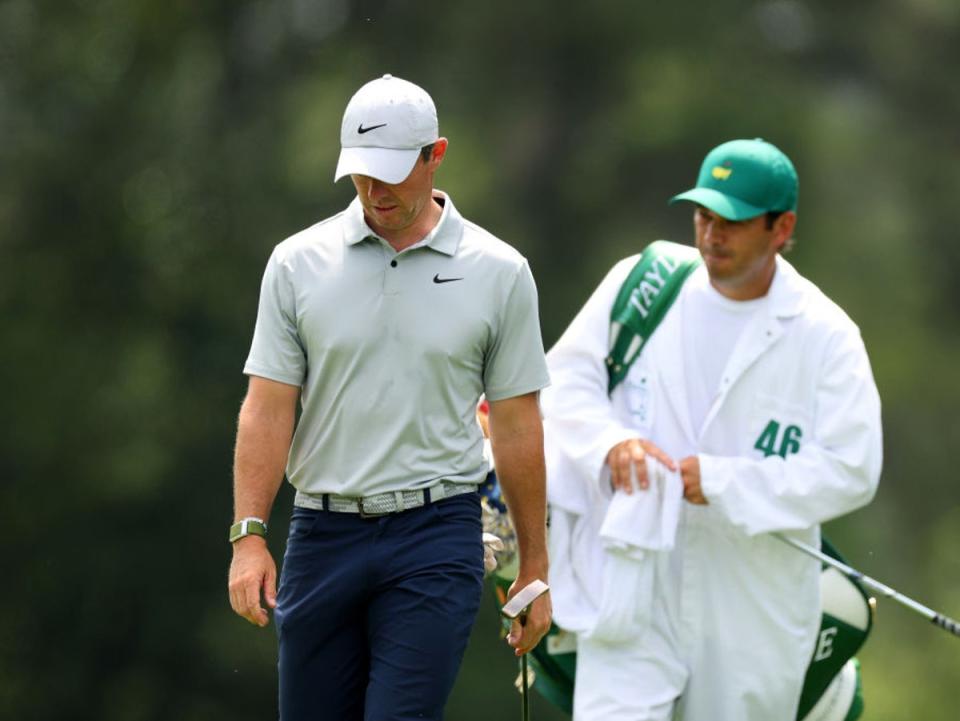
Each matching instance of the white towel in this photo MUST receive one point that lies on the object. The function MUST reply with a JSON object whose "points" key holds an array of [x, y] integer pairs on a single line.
{"points": [[635, 529], [645, 520]]}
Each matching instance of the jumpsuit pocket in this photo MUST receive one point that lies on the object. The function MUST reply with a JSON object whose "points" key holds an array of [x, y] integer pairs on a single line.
{"points": [[778, 427]]}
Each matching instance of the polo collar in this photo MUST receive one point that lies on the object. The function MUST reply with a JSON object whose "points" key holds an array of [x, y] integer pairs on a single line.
{"points": [[444, 238]]}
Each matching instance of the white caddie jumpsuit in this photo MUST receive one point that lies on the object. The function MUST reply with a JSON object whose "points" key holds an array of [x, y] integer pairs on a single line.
{"points": [[792, 439]]}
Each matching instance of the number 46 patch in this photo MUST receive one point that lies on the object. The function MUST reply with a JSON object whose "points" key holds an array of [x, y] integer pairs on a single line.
{"points": [[789, 442]]}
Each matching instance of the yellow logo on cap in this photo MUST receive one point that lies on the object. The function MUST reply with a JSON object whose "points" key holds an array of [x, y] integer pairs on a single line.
{"points": [[721, 173]]}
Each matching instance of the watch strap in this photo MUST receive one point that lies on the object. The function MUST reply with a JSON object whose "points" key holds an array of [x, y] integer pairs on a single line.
{"points": [[249, 526]]}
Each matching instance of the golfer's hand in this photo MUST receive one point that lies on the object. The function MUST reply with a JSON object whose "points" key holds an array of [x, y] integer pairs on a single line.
{"points": [[690, 475], [632, 454], [524, 637], [252, 571]]}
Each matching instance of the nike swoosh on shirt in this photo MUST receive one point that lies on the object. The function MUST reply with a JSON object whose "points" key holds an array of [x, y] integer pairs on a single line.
{"points": [[438, 279], [362, 130]]}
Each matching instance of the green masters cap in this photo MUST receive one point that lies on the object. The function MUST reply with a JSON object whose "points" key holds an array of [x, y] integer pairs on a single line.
{"points": [[742, 179]]}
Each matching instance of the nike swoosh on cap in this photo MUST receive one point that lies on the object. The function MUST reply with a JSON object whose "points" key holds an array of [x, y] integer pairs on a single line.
{"points": [[438, 279], [362, 130]]}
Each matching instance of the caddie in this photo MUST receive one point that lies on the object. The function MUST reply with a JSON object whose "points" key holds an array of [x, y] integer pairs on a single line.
{"points": [[755, 396], [386, 323]]}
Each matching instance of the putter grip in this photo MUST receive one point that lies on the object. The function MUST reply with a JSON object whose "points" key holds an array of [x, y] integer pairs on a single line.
{"points": [[947, 624]]}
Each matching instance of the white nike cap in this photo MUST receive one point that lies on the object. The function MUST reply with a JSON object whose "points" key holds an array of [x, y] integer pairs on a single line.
{"points": [[385, 125]]}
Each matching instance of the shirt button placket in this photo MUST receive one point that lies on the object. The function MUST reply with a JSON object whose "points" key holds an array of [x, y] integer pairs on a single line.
{"points": [[391, 285]]}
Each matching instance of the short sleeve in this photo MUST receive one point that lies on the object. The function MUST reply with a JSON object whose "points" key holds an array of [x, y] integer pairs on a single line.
{"points": [[277, 351], [515, 362]]}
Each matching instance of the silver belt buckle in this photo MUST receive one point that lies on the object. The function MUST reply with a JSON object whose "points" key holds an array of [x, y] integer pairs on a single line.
{"points": [[373, 514]]}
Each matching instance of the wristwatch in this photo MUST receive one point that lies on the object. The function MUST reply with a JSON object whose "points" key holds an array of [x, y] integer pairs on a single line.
{"points": [[249, 526]]}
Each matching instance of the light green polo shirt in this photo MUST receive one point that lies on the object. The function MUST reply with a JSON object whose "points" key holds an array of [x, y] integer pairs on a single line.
{"points": [[392, 350]]}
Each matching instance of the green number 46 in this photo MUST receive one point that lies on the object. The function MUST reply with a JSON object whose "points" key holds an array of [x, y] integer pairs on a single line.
{"points": [[788, 443]]}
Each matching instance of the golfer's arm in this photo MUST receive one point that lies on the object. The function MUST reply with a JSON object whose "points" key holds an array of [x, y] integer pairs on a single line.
{"points": [[516, 436], [264, 433]]}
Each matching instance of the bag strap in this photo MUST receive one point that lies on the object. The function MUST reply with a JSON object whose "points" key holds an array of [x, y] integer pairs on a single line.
{"points": [[644, 299]]}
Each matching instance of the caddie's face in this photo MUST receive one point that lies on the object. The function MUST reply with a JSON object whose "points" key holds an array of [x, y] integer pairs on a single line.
{"points": [[391, 208], [740, 255]]}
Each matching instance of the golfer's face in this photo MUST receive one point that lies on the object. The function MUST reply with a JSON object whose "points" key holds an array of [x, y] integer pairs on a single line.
{"points": [[395, 207]]}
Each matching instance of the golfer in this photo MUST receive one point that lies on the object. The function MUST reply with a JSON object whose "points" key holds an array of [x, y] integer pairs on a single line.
{"points": [[386, 322], [754, 388]]}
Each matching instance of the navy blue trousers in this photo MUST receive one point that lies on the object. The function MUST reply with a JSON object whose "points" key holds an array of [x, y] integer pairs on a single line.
{"points": [[373, 615]]}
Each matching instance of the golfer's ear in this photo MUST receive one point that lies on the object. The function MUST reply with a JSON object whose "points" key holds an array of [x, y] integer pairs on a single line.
{"points": [[439, 151]]}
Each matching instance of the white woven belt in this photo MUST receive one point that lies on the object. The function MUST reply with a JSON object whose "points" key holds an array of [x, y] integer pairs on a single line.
{"points": [[382, 504]]}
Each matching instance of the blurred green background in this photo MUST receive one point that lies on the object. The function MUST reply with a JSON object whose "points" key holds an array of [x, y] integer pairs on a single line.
{"points": [[152, 153]]}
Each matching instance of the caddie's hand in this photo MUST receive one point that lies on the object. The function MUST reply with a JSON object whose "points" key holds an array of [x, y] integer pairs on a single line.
{"points": [[252, 572], [690, 475], [524, 637], [632, 454]]}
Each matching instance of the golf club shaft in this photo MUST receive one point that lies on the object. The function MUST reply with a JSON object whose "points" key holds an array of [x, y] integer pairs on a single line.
{"points": [[524, 690], [938, 619]]}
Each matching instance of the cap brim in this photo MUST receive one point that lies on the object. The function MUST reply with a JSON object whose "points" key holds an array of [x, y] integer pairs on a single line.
{"points": [[385, 164], [726, 206]]}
